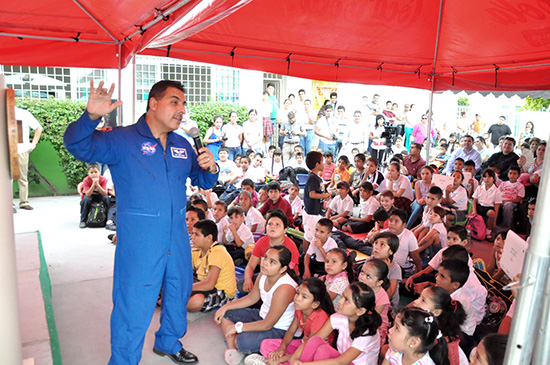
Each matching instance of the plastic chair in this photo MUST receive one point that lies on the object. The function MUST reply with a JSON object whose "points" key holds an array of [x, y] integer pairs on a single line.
{"points": [[302, 179]]}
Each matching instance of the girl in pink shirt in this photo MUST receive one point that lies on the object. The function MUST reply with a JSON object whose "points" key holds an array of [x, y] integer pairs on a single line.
{"points": [[338, 266], [357, 323], [313, 308], [375, 274]]}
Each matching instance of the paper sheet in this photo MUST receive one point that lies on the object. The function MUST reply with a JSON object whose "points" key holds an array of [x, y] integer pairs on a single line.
{"points": [[513, 254], [442, 181]]}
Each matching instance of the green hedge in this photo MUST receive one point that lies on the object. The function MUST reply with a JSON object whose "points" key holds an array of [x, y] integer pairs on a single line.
{"points": [[55, 115], [203, 113]]}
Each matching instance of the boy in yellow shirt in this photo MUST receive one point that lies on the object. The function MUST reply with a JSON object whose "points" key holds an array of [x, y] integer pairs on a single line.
{"points": [[214, 269]]}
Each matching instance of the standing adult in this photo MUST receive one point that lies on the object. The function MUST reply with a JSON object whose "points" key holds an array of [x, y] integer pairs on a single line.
{"points": [[478, 126], [479, 144], [265, 109], [185, 126], [309, 124], [327, 130], [420, 131], [528, 132], [466, 153], [498, 130], [24, 149], [411, 118], [334, 100], [270, 88], [462, 124], [291, 130], [356, 135], [252, 132], [504, 159], [414, 162], [149, 164]]}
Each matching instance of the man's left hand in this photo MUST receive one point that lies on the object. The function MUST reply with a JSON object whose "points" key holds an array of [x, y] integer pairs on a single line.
{"points": [[206, 160]]}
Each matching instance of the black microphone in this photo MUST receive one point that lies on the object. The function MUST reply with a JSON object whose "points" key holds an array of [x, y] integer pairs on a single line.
{"points": [[196, 135]]}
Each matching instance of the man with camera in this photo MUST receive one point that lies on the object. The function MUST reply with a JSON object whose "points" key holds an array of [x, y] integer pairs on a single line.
{"points": [[292, 131], [327, 130]]}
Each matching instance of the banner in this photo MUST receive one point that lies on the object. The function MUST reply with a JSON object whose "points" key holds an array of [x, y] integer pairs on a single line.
{"points": [[321, 92]]}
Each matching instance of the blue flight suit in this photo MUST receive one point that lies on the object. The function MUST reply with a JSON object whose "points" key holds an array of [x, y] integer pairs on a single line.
{"points": [[153, 248]]}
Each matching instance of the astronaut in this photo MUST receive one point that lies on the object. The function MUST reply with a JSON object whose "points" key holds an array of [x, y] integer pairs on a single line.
{"points": [[149, 166]]}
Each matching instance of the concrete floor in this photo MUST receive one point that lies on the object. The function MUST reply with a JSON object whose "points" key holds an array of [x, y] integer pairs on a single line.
{"points": [[80, 263]]}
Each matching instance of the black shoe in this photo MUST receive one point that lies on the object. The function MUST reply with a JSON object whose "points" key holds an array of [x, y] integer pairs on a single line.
{"points": [[182, 357]]}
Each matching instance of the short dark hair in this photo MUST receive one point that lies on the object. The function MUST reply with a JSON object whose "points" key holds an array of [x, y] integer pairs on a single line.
{"points": [[328, 154], [436, 190], [491, 173], [325, 222], [380, 214], [458, 252], [459, 159], [387, 194], [270, 84], [201, 203], [393, 241], [159, 89], [313, 158], [328, 106], [344, 158], [235, 209], [495, 347], [273, 185], [200, 213], [277, 213], [341, 107], [248, 182], [222, 203], [417, 145], [468, 136], [440, 212], [342, 184], [207, 228], [460, 231], [401, 214], [470, 163], [93, 165], [458, 270], [301, 90], [511, 139], [333, 94], [374, 160], [367, 186], [360, 156], [515, 168], [223, 149]]}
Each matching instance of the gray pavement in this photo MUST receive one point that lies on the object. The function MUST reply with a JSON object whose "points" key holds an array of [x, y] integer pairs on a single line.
{"points": [[80, 263]]}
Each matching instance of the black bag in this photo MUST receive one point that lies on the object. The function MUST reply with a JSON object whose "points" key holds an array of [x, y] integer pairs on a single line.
{"points": [[97, 216], [498, 301]]}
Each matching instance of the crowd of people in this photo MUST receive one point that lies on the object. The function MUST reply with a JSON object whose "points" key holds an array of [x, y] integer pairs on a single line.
{"points": [[372, 243]]}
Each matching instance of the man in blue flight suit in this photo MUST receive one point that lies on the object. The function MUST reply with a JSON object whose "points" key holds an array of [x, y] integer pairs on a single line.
{"points": [[149, 166]]}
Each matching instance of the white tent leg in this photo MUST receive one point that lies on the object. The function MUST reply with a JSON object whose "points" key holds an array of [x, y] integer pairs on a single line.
{"points": [[119, 114], [541, 355], [10, 333], [530, 302]]}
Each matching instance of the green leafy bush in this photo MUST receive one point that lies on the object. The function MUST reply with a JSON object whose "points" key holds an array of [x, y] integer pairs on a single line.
{"points": [[203, 113], [54, 115]]}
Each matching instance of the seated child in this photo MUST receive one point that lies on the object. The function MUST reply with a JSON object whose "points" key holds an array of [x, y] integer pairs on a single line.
{"points": [[459, 164], [192, 216], [375, 274], [496, 169], [219, 213], [215, 271], [203, 205], [472, 184], [226, 166], [275, 201], [295, 204], [433, 198], [436, 238], [245, 328], [274, 165], [451, 276], [455, 200], [247, 185], [358, 176], [338, 266], [374, 176], [316, 255], [512, 193], [94, 189], [369, 205], [385, 244], [341, 173], [421, 188], [253, 219], [262, 197], [408, 246], [236, 235], [298, 161], [341, 205], [440, 160], [329, 166], [357, 323], [491, 350], [487, 200], [276, 227], [313, 308]]}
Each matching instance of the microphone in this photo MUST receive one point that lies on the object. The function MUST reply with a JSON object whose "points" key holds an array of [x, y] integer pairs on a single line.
{"points": [[196, 135]]}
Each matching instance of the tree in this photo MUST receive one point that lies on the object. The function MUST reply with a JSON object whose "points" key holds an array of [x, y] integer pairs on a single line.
{"points": [[463, 101], [537, 105]]}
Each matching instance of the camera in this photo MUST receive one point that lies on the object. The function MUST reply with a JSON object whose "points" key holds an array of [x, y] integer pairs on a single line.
{"points": [[334, 136], [224, 138], [390, 132]]}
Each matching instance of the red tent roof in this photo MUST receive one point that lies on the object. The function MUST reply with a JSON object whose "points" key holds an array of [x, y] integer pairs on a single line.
{"points": [[476, 44]]}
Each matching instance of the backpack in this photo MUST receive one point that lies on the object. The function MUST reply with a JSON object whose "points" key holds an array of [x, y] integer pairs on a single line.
{"points": [[476, 227], [498, 301], [97, 216]]}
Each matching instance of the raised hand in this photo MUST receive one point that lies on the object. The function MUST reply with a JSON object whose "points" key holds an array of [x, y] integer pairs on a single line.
{"points": [[99, 101]]}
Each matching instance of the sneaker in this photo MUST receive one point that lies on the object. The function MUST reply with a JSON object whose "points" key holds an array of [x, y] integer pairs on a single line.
{"points": [[233, 357], [110, 226], [254, 359], [82, 225], [182, 357]]}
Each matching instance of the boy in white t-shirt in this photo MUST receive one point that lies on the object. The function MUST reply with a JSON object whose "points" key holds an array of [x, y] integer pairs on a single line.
{"points": [[512, 193], [236, 235], [341, 205], [368, 205], [295, 203], [219, 215], [433, 199], [408, 246], [319, 246], [253, 219], [436, 238], [226, 166]]}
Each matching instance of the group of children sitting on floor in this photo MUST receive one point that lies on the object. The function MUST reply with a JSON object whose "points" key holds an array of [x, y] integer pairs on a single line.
{"points": [[290, 304]]}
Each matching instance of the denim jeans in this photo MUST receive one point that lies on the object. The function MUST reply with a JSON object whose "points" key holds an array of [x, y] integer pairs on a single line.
{"points": [[328, 147], [233, 151], [417, 211]]}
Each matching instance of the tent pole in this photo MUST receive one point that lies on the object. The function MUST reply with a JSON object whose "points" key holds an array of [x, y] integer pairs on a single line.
{"points": [[527, 316], [429, 128], [541, 355], [95, 20], [119, 114], [23, 36], [134, 88]]}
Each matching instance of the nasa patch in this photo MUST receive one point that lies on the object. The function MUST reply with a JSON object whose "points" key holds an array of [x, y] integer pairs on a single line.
{"points": [[148, 148], [179, 152]]}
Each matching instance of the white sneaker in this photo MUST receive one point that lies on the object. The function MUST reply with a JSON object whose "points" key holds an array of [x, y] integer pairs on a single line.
{"points": [[254, 359], [233, 357]]}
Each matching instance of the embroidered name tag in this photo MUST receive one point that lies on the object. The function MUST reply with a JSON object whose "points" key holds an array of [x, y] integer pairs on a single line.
{"points": [[179, 152]]}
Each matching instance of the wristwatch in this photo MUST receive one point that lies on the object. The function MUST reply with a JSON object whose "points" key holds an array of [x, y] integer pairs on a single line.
{"points": [[239, 327]]}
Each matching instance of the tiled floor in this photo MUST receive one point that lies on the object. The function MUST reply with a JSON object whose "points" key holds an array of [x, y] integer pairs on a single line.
{"points": [[80, 263]]}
